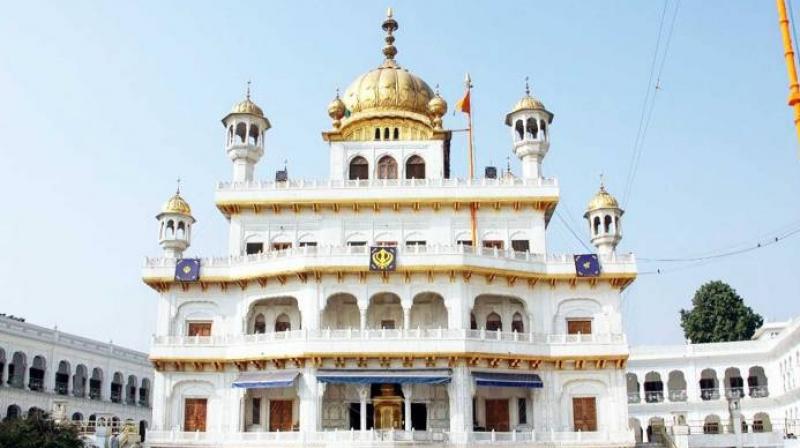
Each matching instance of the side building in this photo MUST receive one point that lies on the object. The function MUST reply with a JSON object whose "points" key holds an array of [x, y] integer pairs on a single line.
{"points": [[712, 392], [71, 377]]}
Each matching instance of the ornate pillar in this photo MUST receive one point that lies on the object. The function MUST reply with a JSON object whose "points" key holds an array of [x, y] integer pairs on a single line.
{"points": [[407, 392], [363, 394], [406, 315], [363, 312]]}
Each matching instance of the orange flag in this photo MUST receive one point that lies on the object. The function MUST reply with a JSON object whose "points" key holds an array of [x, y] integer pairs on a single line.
{"points": [[463, 104]]}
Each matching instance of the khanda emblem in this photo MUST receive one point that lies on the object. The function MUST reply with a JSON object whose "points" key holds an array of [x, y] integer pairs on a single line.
{"points": [[382, 258]]}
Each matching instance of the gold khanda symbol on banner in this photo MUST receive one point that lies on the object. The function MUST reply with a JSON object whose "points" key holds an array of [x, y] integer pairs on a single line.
{"points": [[187, 269], [382, 258]]}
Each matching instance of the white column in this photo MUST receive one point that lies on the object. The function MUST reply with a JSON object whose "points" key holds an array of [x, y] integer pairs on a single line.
{"points": [[363, 312], [407, 391], [363, 394], [460, 392], [406, 317], [309, 392]]}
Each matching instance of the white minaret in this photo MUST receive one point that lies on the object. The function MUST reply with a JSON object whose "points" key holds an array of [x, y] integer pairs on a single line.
{"points": [[245, 128], [175, 226], [605, 221], [529, 121]]}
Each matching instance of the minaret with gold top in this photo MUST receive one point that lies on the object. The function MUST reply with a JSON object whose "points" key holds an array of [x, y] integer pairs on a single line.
{"points": [[175, 226], [529, 121], [245, 127]]}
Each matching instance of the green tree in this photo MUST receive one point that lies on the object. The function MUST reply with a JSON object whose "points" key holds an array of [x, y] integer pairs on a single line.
{"points": [[37, 431], [719, 314]]}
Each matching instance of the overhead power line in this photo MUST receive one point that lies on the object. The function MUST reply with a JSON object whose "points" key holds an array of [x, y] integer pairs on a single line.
{"points": [[648, 105]]}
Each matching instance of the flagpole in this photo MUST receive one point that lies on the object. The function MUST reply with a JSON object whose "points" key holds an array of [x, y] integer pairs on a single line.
{"points": [[473, 207]]}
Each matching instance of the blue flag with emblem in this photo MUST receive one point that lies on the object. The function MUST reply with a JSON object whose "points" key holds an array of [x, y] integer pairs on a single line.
{"points": [[187, 270], [587, 265]]}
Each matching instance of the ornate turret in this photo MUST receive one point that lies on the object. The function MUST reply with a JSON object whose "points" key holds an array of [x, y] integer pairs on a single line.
{"points": [[604, 216], [529, 121], [246, 127], [175, 226]]}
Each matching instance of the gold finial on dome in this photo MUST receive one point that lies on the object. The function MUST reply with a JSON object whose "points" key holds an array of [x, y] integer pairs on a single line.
{"points": [[390, 26]]}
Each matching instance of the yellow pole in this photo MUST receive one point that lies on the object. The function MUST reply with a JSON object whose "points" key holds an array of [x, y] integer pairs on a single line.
{"points": [[788, 54], [473, 207]]}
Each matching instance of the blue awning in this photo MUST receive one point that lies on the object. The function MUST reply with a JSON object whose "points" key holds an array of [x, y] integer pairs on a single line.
{"points": [[383, 376], [530, 380], [266, 380]]}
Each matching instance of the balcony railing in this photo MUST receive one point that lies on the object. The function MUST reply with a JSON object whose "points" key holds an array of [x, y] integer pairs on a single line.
{"points": [[709, 394], [387, 334], [558, 263], [759, 391], [373, 438], [677, 395], [313, 184]]}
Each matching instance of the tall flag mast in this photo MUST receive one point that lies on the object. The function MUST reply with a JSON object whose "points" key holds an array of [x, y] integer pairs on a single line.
{"points": [[463, 105], [788, 54]]}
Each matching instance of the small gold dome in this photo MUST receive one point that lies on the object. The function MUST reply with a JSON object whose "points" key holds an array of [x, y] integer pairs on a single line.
{"points": [[437, 106], [247, 107], [336, 108], [528, 102], [601, 200], [176, 204]]}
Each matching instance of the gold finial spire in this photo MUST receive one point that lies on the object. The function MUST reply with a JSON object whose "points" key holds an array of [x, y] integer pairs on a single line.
{"points": [[602, 182], [178, 190], [389, 26], [527, 87], [247, 93]]}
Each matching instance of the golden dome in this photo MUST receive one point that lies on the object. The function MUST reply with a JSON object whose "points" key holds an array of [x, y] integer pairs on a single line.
{"points": [[176, 204], [388, 91], [601, 200]]}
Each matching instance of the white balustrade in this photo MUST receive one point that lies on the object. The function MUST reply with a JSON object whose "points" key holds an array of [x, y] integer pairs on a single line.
{"points": [[304, 184]]}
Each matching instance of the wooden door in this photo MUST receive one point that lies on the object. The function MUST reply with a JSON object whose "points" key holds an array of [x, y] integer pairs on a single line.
{"points": [[579, 326], [584, 413], [194, 414], [280, 415], [497, 415], [199, 329]]}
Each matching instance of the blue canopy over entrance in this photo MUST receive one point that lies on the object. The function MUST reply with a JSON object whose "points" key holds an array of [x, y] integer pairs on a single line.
{"points": [[266, 380], [384, 376], [530, 380]]}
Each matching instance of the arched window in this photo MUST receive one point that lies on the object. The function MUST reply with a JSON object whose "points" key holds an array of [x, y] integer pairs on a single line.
{"points": [[230, 134], [518, 130], [79, 381], [116, 387], [62, 378], [282, 323], [260, 326], [596, 225], [12, 412], [531, 129], [473, 324], [253, 135], [517, 324], [144, 392], [96, 384], [396, 135], [543, 127], [415, 168], [130, 390], [377, 133], [359, 168], [386, 133], [607, 223], [387, 168], [77, 417], [493, 322], [36, 373], [241, 132]]}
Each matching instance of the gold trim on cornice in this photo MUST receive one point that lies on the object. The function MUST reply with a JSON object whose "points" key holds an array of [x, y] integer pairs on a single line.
{"points": [[429, 359], [616, 280]]}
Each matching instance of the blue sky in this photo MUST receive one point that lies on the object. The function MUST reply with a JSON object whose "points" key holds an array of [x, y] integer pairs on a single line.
{"points": [[104, 104]]}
